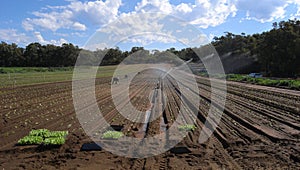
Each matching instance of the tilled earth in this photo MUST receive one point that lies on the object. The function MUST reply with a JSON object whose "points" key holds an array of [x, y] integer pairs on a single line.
{"points": [[259, 128]]}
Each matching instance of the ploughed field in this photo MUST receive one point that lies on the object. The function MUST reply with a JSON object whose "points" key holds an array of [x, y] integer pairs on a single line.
{"points": [[259, 128]]}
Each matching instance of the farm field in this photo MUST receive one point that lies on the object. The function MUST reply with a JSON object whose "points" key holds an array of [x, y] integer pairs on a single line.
{"points": [[19, 76], [282, 83], [259, 129]]}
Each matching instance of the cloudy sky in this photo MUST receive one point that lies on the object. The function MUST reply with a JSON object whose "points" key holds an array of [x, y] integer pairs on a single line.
{"points": [[75, 21]]}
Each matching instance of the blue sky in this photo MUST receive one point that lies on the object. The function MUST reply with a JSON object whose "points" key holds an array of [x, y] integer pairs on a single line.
{"points": [[75, 21]]}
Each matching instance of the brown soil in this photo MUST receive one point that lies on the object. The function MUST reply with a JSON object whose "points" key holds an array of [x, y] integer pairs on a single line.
{"points": [[259, 129]]}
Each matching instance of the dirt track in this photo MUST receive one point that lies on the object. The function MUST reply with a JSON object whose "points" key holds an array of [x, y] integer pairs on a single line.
{"points": [[259, 129]]}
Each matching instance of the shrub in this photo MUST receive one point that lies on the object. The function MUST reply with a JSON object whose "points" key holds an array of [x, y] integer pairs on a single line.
{"points": [[295, 84], [2, 71]]}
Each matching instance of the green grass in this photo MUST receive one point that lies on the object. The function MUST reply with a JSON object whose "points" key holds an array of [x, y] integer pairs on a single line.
{"points": [[292, 84], [6, 70], [19, 76]]}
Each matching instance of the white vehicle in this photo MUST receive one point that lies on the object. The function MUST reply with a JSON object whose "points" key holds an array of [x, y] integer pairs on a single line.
{"points": [[255, 75]]}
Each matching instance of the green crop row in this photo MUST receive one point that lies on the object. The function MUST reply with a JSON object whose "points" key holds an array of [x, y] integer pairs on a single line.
{"points": [[44, 136], [39, 132], [186, 127], [56, 134], [30, 140], [112, 135], [54, 141], [292, 84]]}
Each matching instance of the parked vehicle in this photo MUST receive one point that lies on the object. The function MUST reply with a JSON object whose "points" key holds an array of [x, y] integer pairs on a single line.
{"points": [[255, 75]]}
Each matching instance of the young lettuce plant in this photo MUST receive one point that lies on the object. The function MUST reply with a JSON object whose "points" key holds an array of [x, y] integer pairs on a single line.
{"points": [[112, 135], [187, 127]]}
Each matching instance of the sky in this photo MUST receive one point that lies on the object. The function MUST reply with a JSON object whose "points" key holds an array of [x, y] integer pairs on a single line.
{"points": [[156, 24]]}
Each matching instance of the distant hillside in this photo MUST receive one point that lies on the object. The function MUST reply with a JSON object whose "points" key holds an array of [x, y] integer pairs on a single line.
{"points": [[232, 63], [240, 63], [277, 52]]}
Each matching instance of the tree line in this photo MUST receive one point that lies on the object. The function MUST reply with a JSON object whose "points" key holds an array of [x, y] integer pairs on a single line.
{"points": [[37, 55], [277, 51]]}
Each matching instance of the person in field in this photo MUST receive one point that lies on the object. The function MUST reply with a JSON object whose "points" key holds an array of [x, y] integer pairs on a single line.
{"points": [[115, 80]]}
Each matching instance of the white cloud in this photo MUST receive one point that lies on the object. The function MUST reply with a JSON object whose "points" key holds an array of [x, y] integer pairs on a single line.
{"points": [[184, 8], [134, 24], [147, 39], [27, 25], [60, 41], [211, 13], [13, 35], [263, 11], [98, 12], [40, 39], [204, 3], [66, 17], [52, 21], [154, 6], [79, 16], [148, 28], [202, 13], [297, 3], [79, 26], [142, 28], [74, 34]]}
